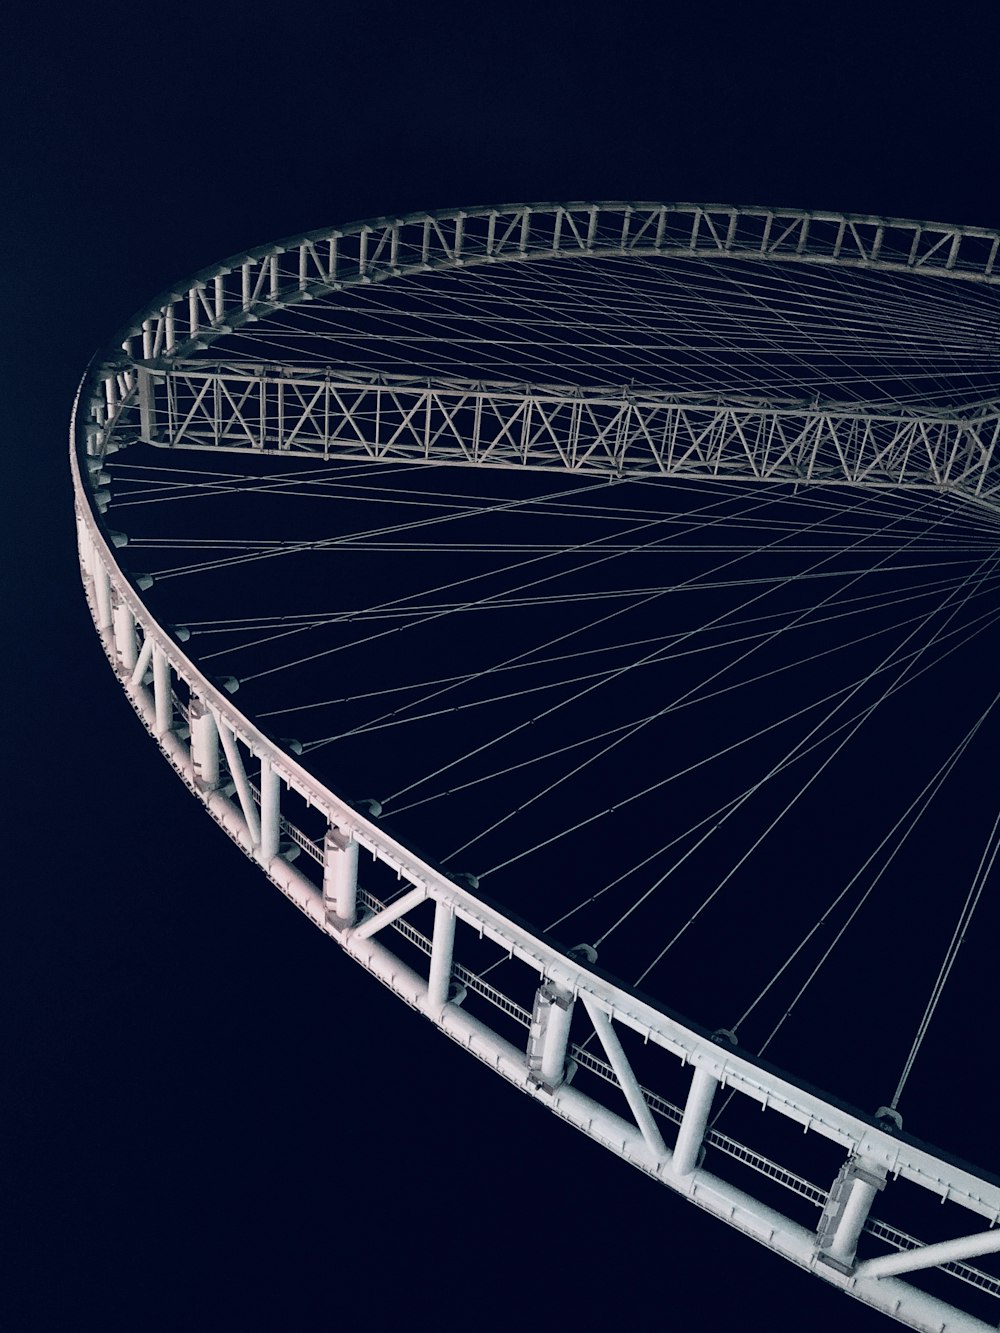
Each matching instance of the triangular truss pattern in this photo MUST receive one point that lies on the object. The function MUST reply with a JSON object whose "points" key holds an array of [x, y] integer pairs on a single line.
{"points": [[624, 434], [249, 286]]}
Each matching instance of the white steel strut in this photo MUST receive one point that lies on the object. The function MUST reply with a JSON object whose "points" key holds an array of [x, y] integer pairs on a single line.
{"points": [[216, 749]]}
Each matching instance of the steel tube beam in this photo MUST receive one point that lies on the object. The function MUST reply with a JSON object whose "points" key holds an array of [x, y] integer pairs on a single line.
{"points": [[846, 1210], [692, 1129], [340, 876], [931, 1256], [125, 645], [442, 952], [389, 914], [204, 745], [856, 1209], [162, 698], [270, 812], [555, 1037], [142, 662], [238, 773], [629, 1084]]}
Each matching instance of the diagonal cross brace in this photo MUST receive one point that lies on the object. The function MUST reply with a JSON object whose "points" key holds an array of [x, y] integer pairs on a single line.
{"points": [[931, 1256], [626, 1078], [391, 913]]}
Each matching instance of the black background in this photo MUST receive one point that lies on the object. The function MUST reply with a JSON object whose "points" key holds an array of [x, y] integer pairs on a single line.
{"points": [[212, 1120]]}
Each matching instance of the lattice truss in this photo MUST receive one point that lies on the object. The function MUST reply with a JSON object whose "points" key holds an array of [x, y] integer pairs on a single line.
{"points": [[291, 411]]}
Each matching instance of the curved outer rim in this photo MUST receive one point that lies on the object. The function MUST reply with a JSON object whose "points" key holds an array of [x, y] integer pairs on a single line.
{"points": [[777, 235], [859, 1135]]}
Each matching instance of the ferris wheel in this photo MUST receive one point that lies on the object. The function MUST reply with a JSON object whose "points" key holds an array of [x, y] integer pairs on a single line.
{"points": [[604, 561]]}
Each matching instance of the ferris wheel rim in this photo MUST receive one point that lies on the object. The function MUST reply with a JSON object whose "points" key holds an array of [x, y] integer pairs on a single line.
{"points": [[243, 728], [99, 364], [952, 233]]}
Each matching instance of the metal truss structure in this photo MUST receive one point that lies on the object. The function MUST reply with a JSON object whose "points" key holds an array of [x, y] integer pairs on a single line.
{"points": [[284, 410], [154, 377], [247, 287]]}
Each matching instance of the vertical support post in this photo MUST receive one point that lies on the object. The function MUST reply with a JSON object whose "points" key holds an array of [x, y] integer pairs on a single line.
{"points": [[204, 745], [147, 405], [691, 1134], [125, 644], [846, 1211], [548, 1041], [557, 1037], [442, 952], [270, 812], [162, 701], [340, 877]]}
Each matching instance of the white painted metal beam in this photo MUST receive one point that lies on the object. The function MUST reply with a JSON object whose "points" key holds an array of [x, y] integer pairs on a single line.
{"points": [[237, 772], [931, 1256], [143, 661], [204, 744], [270, 811], [442, 953], [846, 1211], [162, 696], [548, 1040], [691, 1134], [391, 913], [124, 631], [629, 1083], [340, 877]]}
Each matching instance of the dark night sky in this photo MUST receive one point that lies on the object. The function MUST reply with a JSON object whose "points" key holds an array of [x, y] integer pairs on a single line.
{"points": [[213, 1120]]}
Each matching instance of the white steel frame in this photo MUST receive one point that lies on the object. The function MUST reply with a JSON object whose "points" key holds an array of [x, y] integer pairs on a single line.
{"points": [[756, 441], [277, 411]]}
